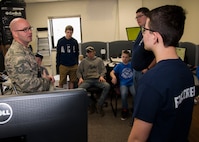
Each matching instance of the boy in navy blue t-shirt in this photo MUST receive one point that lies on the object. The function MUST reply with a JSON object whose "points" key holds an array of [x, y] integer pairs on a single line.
{"points": [[165, 96], [67, 58]]}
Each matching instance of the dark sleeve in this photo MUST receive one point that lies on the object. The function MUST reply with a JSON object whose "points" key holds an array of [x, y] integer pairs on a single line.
{"points": [[58, 53], [77, 51], [80, 70], [145, 102], [197, 72]]}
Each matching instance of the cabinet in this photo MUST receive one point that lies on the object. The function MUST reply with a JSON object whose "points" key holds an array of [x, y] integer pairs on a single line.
{"points": [[43, 46]]}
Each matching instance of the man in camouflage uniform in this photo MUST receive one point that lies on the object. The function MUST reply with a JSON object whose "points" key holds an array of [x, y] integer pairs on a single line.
{"points": [[20, 62]]}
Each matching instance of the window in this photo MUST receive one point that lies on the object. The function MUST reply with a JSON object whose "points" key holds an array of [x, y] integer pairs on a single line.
{"points": [[57, 28]]}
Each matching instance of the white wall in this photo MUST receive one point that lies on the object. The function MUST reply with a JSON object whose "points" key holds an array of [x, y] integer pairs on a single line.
{"points": [[99, 18], [156, 3], [191, 32], [126, 15], [106, 20]]}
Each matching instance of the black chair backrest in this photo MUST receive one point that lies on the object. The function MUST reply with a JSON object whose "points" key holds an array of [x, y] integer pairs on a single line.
{"points": [[98, 45], [116, 47], [191, 54]]}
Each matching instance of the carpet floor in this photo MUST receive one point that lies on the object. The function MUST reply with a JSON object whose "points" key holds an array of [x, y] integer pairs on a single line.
{"points": [[112, 129], [108, 128]]}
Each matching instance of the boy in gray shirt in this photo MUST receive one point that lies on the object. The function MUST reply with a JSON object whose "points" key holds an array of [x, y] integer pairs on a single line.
{"points": [[91, 72]]}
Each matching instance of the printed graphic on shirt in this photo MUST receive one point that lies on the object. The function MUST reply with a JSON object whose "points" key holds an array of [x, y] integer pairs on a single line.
{"points": [[187, 93], [62, 49], [68, 48], [92, 68], [74, 49], [127, 73]]}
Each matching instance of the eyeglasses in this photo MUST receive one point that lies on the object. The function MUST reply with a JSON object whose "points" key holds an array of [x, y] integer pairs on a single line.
{"points": [[26, 29], [137, 17], [146, 29]]}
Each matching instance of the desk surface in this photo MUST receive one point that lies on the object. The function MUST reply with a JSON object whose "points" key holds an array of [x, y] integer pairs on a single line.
{"points": [[117, 60], [112, 62]]}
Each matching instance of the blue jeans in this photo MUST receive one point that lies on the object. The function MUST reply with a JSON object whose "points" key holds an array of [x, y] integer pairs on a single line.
{"points": [[136, 77], [96, 83], [124, 90]]}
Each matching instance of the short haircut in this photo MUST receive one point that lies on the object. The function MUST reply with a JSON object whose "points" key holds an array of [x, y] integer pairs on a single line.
{"points": [[39, 56], [69, 27], [169, 21], [144, 10], [126, 52]]}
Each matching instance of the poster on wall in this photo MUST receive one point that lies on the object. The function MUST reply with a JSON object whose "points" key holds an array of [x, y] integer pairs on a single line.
{"points": [[7, 15]]}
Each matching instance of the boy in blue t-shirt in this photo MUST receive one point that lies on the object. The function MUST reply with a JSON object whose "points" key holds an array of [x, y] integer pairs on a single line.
{"points": [[125, 75]]}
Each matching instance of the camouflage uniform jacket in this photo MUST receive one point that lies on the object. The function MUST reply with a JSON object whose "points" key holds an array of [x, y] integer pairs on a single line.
{"points": [[22, 69]]}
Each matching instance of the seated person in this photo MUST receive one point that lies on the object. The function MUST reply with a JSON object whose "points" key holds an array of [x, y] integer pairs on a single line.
{"points": [[41, 69], [91, 72], [20, 63], [125, 75]]}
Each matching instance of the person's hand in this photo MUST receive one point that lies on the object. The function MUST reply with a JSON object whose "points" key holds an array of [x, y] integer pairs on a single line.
{"points": [[144, 71], [52, 79], [114, 80], [48, 77], [101, 79], [80, 81]]}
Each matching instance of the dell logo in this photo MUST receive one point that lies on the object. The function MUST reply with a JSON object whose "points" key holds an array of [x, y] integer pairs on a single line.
{"points": [[5, 113]]}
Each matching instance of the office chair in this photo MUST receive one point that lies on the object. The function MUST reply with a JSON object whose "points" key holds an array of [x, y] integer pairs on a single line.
{"points": [[2, 79], [10, 87], [191, 54], [116, 47], [94, 94], [6, 85], [100, 48], [114, 91]]}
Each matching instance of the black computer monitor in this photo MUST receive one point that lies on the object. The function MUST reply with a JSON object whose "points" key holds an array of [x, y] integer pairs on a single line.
{"points": [[59, 116]]}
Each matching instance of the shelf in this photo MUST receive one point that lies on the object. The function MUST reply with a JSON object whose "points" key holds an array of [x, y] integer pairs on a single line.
{"points": [[43, 46]]}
